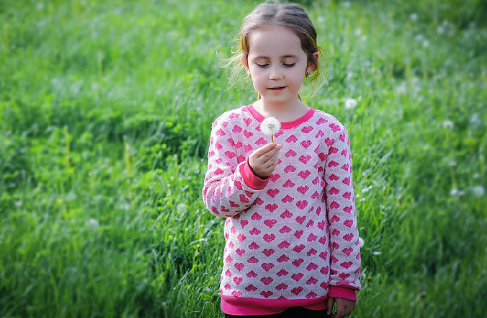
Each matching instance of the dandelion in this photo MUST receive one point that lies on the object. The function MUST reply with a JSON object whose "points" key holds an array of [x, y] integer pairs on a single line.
{"points": [[350, 103], [270, 126], [440, 29], [448, 124], [454, 192], [475, 120], [419, 37], [376, 253], [94, 224], [361, 242], [413, 17], [478, 191]]}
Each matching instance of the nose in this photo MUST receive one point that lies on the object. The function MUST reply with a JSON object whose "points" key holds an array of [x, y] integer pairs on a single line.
{"points": [[275, 73]]}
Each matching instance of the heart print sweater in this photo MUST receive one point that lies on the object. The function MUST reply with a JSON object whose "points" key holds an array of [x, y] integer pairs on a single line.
{"points": [[291, 239]]}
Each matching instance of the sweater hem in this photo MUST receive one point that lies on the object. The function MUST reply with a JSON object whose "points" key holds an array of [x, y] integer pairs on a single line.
{"points": [[240, 306]]}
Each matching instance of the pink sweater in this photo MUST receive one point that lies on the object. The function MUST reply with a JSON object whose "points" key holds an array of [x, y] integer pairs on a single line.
{"points": [[291, 239]]}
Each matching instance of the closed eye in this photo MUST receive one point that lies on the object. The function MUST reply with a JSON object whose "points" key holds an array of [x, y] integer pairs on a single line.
{"points": [[288, 65], [262, 65]]}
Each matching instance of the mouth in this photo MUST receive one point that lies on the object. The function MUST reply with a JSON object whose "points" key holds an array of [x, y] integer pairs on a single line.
{"points": [[277, 88]]}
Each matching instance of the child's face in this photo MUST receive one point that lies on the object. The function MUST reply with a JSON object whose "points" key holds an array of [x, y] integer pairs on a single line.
{"points": [[277, 64]]}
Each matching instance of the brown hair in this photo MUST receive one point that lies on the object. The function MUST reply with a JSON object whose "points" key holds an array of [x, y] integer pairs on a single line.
{"points": [[288, 15]]}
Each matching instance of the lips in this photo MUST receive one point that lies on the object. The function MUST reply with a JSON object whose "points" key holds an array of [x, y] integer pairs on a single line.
{"points": [[277, 88]]}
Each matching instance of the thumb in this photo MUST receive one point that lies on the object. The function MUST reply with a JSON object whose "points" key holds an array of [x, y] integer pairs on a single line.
{"points": [[329, 305]]}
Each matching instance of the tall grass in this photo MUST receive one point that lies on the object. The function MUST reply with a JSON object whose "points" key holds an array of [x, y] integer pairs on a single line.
{"points": [[105, 114]]}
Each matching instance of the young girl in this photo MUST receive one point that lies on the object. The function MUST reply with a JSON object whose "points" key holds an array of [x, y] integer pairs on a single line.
{"points": [[292, 243]]}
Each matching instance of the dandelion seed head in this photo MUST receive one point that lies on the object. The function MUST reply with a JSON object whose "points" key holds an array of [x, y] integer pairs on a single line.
{"points": [[350, 103], [475, 120], [478, 191], [361, 241], [448, 124], [94, 224], [455, 192], [270, 126]]}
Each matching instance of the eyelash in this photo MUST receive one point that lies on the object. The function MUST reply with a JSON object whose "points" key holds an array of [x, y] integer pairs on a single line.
{"points": [[285, 65]]}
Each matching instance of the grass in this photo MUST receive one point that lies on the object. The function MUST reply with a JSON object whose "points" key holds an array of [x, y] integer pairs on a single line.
{"points": [[105, 114]]}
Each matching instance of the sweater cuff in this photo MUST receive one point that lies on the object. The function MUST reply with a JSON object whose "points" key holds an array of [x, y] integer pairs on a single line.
{"points": [[250, 179], [342, 292]]}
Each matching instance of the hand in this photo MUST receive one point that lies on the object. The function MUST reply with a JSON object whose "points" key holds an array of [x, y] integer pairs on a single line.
{"points": [[344, 307], [264, 160]]}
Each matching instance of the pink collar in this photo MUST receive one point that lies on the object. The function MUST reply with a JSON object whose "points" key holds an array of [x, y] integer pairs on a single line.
{"points": [[284, 125]]}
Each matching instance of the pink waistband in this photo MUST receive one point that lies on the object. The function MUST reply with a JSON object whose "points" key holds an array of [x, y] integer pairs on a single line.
{"points": [[239, 306]]}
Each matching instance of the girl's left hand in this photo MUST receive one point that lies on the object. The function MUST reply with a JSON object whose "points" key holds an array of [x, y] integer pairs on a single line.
{"points": [[344, 307]]}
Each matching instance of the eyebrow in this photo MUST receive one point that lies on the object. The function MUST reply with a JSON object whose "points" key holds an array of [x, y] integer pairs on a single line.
{"points": [[285, 56]]}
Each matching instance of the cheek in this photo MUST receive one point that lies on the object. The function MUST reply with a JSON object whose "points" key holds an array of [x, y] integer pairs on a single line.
{"points": [[297, 77]]}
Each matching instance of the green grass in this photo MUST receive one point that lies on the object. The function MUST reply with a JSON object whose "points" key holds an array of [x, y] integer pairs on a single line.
{"points": [[105, 115]]}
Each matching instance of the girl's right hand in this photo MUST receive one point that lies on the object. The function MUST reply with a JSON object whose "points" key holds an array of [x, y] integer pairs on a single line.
{"points": [[264, 160]]}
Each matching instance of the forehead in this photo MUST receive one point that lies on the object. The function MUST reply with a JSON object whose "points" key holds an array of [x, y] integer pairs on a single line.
{"points": [[274, 40]]}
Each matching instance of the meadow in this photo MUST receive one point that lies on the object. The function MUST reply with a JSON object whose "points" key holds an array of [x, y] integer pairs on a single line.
{"points": [[105, 116]]}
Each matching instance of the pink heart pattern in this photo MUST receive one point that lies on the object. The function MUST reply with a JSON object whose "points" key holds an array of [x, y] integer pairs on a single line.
{"points": [[294, 234]]}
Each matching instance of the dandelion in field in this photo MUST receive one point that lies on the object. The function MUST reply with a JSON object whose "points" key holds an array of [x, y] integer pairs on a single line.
{"points": [[448, 124], [478, 191], [94, 224], [376, 253], [350, 103], [421, 39], [455, 193], [361, 242], [475, 120], [413, 17], [270, 126], [440, 29]]}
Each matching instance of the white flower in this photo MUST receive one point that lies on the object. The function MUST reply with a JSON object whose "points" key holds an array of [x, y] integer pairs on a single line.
{"points": [[270, 126], [94, 224], [350, 103], [454, 192], [478, 191], [475, 120], [448, 124], [362, 242]]}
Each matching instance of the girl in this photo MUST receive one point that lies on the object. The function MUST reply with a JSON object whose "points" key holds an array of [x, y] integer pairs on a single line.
{"points": [[292, 243]]}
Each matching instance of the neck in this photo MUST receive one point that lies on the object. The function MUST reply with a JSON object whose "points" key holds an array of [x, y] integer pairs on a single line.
{"points": [[287, 107], [281, 111]]}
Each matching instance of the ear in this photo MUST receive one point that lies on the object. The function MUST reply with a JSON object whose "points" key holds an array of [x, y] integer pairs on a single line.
{"points": [[245, 63], [312, 66]]}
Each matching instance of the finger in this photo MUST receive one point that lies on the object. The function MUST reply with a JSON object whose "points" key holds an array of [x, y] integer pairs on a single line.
{"points": [[265, 149], [269, 164], [272, 152], [272, 155], [340, 312], [329, 305]]}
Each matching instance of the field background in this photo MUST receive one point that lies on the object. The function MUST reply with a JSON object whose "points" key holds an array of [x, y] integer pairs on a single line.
{"points": [[105, 115]]}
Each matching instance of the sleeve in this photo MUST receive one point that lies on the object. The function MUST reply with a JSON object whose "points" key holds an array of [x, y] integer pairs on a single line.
{"points": [[342, 219], [230, 187]]}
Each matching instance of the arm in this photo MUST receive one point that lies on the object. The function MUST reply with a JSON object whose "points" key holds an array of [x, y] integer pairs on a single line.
{"points": [[230, 187], [342, 219]]}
